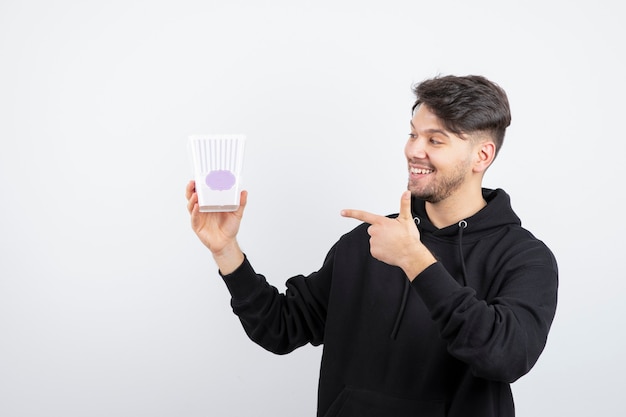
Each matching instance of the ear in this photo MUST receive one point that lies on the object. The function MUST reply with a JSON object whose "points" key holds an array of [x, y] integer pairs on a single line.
{"points": [[485, 153]]}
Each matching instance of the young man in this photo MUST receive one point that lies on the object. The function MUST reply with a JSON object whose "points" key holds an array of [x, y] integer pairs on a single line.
{"points": [[430, 312]]}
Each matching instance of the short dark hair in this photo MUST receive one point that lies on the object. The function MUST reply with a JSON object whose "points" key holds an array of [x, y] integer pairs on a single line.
{"points": [[468, 104]]}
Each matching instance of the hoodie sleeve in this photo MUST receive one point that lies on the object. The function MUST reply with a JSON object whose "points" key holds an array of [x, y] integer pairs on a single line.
{"points": [[501, 337], [281, 322]]}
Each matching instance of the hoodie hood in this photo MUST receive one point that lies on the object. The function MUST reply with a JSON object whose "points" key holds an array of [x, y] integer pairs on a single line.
{"points": [[496, 214]]}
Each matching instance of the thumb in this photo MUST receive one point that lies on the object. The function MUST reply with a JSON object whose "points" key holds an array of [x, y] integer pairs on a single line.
{"points": [[243, 200], [405, 206]]}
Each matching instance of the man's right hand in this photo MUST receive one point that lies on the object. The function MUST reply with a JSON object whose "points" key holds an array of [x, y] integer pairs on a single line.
{"points": [[218, 231]]}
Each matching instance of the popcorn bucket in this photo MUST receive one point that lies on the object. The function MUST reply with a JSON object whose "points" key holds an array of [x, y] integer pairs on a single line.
{"points": [[217, 162]]}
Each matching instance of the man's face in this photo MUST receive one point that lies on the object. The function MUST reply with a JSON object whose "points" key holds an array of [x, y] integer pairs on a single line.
{"points": [[439, 162]]}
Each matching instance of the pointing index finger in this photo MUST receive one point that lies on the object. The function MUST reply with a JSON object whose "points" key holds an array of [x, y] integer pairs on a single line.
{"points": [[361, 215]]}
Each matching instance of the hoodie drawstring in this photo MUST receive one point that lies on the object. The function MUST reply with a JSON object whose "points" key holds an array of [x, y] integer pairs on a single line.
{"points": [[462, 225], [405, 297], [407, 285]]}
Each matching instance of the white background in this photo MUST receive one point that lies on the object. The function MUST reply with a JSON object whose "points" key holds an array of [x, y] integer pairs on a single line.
{"points": [[110, 306]]}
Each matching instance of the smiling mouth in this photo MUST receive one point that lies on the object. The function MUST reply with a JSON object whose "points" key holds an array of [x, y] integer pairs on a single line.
{"points": [[421, 171]]}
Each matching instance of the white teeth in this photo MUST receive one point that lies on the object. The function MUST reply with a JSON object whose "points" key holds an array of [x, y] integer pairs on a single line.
{"points": [[420, 171]]}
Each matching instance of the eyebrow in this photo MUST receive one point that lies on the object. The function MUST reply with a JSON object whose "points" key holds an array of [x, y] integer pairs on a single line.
{"points": [[432, 131]]}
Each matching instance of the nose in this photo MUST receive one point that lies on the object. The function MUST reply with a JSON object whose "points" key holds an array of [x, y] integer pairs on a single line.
{"points": [[415, 148]]}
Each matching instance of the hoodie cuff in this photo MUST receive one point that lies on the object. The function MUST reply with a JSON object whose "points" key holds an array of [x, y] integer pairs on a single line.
{"points": [[435, 284], [243, 281]]}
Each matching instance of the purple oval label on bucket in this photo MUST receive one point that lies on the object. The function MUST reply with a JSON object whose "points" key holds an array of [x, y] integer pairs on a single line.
{"points": [[221, 180]]}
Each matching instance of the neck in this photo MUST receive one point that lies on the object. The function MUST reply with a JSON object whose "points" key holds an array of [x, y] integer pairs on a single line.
{"points": [[455, 208]]}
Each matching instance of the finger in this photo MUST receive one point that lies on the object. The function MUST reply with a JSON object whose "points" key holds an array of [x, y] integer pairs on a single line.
{"points": [[243, 200], [405, 206], [192, 202], [190, 189], [363, 216], [194, 211]]}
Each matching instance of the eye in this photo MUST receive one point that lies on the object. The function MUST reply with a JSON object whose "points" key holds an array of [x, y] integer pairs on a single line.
{"points": [[435, 141], [412, 136]]}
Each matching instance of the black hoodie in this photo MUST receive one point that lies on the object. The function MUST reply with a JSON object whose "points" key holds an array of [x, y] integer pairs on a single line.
{"points": [[449, 343]]}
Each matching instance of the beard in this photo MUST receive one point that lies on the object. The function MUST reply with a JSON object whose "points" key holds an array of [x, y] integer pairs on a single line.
{"points": [[440, 188]]}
